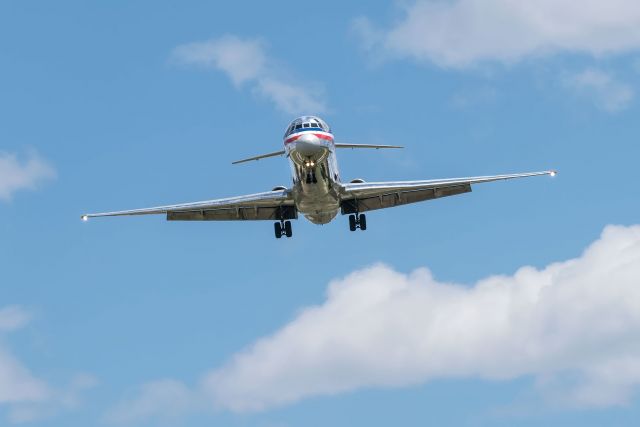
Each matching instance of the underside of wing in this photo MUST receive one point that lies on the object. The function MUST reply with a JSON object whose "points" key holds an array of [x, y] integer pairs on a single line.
{"points": [[270, 205], [366, 196]]}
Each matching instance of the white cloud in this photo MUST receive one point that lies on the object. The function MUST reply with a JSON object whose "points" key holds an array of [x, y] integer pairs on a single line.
{"points": [[461, 33], [242, 60], [12, 318], [290, 98], [16, 175], [574, 326], [602, 88], [27, 397], [17, 385], [159, 399], [245, 61], [381, 328]]}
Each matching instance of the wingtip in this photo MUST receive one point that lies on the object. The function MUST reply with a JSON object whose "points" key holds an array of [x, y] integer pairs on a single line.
{"points": [[553, 173], [84, 217]]}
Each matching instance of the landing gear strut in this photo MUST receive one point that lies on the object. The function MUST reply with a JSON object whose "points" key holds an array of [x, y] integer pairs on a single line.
{"points": [[283, 228], [311, 177], [357, 221]]}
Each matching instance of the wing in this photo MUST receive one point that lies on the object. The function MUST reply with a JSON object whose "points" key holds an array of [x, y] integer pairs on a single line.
{"points": [[270, 205], [366, 196]]}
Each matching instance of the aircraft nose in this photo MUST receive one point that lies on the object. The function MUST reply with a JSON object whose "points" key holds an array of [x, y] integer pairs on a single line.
{"points": [[309, 145]]}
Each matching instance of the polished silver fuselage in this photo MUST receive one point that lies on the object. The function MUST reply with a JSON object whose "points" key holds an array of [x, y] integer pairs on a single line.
{"points": [[314, 170]]}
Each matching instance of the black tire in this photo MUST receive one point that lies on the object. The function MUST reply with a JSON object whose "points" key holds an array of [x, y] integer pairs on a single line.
{"points": [[352, 222], [363, 222], [287, 229], [278, 229]]}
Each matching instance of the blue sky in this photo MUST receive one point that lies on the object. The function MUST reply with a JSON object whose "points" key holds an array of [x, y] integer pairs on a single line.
{"points": [[427, 317]]}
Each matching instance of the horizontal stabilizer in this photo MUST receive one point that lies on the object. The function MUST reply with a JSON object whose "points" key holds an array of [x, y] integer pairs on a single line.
{"points": [[377, 147], [262, 156]]}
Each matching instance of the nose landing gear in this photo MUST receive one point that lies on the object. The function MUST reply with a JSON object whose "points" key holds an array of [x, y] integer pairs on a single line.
{"points": [[283, 228], [311, 177], [357, 221]]}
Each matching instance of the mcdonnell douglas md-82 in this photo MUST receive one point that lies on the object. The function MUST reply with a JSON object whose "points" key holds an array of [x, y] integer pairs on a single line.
{"points": [[317, 191]]}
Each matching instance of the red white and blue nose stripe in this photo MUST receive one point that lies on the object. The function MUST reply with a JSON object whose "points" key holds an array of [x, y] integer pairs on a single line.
{"points": [[317, 132]]}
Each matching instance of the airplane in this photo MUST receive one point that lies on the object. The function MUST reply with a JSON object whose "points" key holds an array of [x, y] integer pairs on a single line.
{"points": [[317, 191]]}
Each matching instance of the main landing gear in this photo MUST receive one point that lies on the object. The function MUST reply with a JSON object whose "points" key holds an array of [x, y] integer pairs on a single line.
{"points": [[283, 228], [357, 221]]}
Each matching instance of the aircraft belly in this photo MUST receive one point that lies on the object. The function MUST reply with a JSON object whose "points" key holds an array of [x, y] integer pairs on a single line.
{"points": [[314, 174], [316, 201]]}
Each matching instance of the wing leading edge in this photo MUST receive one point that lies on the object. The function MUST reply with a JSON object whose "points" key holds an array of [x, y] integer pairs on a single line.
{"points": [[270, 205], [361, 197]]}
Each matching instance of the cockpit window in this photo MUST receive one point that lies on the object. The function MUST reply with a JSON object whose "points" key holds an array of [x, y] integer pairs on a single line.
{"points": [[307, 123]]}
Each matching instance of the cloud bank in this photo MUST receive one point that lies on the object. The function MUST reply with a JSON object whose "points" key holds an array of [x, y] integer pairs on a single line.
{"points": [[381, 328], [245, 61], [574, 326], [462, 33], [27, 175]]}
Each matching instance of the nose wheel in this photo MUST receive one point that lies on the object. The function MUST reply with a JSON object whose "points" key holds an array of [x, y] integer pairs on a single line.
{"points": [[357, 221], [283, 228]]}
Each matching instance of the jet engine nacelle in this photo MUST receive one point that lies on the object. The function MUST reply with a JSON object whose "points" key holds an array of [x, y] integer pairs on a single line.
{"points": [[357, 181], [279, 188]]}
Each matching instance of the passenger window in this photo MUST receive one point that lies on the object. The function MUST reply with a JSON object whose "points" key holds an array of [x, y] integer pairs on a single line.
{"points": [[306, 125]]}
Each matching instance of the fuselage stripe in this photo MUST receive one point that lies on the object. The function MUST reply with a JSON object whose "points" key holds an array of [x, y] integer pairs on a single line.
{"points": [[305, 129], [325, 136]]}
